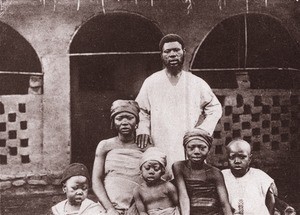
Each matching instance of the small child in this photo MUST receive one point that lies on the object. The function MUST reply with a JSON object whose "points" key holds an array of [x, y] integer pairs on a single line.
{"points": [[75, 182], [155, 196], [201, 187]]}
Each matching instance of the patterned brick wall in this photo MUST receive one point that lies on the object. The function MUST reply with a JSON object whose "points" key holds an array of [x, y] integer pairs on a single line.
{"points": [[20, 133], [268, 119]]}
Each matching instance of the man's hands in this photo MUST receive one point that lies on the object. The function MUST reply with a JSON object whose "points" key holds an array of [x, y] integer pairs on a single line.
{"points": [[142, 140]]}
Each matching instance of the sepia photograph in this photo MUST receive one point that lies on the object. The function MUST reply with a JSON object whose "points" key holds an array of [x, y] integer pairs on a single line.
{"points": [[149, 107]]}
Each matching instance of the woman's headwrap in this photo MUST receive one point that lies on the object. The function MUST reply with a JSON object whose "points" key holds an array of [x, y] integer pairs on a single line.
{"points": [[197, 134], [154, 154], [120, 106]]}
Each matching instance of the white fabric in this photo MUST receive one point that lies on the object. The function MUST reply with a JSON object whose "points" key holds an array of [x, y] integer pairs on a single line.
{"points": [[252, 189], [168, 111], [88, 207]]}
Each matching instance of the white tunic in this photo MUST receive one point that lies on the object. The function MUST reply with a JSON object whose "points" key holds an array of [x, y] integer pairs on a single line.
{"points": [[168, 111], [248, 193]]}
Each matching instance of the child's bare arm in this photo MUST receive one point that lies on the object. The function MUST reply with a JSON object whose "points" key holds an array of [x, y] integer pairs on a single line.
{"points": [[270, 198], [138, 202], [172, 192], [222, 192], [184, 201]]}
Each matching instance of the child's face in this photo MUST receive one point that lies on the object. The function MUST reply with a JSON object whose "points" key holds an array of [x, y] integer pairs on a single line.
{"points": [[76, 189], [152, 171], [196, 151], [239, 158], [125, 123]]}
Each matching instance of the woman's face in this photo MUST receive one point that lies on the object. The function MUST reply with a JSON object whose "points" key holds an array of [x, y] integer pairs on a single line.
{"points": [[125, 123], [196, 151]]}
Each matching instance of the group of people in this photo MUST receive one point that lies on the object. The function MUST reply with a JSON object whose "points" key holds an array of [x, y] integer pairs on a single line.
{"points": [[156, 165]]}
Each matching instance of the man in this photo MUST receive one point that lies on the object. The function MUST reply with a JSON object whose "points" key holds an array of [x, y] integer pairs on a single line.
{"points": [[250, 190], [172, 101]]}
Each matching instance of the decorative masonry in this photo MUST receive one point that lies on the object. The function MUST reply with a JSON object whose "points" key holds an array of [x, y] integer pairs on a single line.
{"points": [[20, 133], [268, 119]]}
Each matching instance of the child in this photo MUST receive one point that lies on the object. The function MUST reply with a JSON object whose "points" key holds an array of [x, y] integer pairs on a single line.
{"points": [[155, 196], [75, 182], [201, 187], [250, 190]]}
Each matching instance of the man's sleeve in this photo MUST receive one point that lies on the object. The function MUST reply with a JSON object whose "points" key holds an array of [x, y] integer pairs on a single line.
{"points": [[143, 100], [212, 109]]}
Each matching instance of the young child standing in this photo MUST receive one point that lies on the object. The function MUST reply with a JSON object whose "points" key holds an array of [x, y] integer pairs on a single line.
{"points": [[251, 191], [155, 196], [75, 182], [201, 187]]}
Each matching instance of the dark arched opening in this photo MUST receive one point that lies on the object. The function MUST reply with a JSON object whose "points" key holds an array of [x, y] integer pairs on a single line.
{"points": [[18, 61], [254, 43], [110, 56]]}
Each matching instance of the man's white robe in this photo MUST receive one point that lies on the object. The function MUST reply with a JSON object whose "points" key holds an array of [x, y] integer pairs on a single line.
{"points": [[168, 111]]}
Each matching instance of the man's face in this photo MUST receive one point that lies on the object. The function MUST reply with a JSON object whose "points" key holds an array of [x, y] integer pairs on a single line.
{"points": [[151, 171], [239, 158], [76, 189], [173, 56], [196, 151], [125, 123]]}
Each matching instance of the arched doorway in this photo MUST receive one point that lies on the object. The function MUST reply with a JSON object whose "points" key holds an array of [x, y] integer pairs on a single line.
{"points": [[110, 56], [255, 43]]}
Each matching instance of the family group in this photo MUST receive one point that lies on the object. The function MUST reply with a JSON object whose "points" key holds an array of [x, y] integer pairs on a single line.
{"points": [[156, 165]]}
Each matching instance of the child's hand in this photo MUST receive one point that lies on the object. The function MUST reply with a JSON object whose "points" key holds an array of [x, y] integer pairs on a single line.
{"points": [[112, 211], [289, 211]]}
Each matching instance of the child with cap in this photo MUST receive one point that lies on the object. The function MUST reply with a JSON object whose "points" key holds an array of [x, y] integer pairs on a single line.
{"points": [[155, 196], [201, 187], [75, 182]]}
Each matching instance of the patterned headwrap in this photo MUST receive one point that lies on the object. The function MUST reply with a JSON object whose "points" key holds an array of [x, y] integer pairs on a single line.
{"points": [[120, 106], [154, 154], [197, 134]]}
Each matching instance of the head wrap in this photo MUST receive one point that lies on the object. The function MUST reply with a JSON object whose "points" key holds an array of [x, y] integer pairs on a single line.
{"points": [[75, 169], [170, 38], [154, 154], [120, 106], [197, 134]]}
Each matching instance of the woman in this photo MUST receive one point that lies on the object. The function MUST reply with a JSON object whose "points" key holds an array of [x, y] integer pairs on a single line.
{"points": [[116, 165]]}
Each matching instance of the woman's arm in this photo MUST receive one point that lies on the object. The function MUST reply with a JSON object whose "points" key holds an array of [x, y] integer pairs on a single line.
{"points": [[184, 201], [98, 177], [222, 192]]}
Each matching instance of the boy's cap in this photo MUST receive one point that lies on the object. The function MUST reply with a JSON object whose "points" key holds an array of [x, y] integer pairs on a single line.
{"points": [[197, 134], [75, 169], [120, 106], [153, 153]]}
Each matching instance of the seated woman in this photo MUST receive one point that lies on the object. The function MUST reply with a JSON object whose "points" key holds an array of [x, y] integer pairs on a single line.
{"points": [[116, 165]]}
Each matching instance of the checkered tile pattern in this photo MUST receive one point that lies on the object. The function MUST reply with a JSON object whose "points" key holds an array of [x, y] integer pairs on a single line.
{"points": [[14, 141], [269, 120]]}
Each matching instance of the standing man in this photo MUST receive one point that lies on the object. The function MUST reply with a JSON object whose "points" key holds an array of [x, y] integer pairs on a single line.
{"points": [[172, 101]]}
